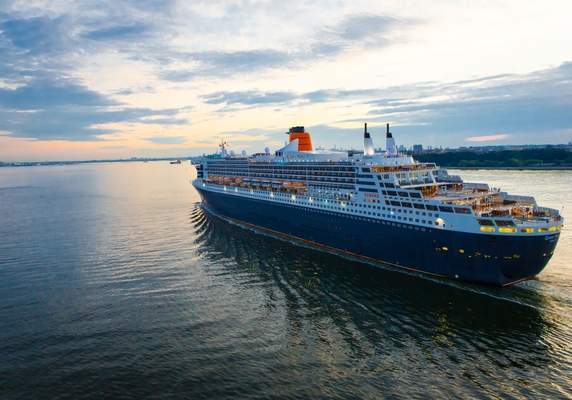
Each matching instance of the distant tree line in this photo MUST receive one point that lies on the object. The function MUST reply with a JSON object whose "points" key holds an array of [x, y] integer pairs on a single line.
{"points": [[547, 156]]}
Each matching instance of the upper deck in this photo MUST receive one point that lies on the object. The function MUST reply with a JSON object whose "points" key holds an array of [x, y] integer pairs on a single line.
{"points": [[396, 179]]}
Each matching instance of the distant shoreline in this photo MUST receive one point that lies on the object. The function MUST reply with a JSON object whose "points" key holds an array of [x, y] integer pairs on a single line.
{"points": [[56, 163], [551, 168]]}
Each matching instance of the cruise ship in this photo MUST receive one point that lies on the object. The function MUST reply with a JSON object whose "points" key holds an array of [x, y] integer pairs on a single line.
{"points": [[384, 207]]}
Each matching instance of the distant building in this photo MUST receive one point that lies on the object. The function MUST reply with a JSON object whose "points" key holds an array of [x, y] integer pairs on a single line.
{"points": [[417, 147]]}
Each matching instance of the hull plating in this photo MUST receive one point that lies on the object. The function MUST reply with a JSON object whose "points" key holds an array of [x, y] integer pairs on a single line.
{"points": [[483, 258]]}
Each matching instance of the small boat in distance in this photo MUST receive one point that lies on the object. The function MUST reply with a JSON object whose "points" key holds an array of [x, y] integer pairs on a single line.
{"points": [[176, 162]]}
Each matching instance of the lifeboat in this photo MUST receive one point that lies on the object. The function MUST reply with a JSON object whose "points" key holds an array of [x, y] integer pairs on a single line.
{"points": [[255, 182], [265, 183], [299, 185], [276, 184], [246, 181]]}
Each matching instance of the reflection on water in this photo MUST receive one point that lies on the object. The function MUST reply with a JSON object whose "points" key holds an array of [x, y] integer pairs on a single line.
{"points": [[116, 283], [356, 321]]}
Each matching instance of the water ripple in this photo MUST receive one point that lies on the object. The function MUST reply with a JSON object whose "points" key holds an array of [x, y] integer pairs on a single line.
{"points": [[127, 287]]}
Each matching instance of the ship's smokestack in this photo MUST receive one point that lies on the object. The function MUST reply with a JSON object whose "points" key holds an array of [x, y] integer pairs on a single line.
{"points": [[367, 143], [304, 140], [390, 143]]}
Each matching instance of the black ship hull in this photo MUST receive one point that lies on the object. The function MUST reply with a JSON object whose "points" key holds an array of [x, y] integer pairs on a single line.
{"points": [[483, 258]]}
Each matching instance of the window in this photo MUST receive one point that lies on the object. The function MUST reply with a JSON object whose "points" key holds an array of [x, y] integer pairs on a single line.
{"points": [[504, 223]]}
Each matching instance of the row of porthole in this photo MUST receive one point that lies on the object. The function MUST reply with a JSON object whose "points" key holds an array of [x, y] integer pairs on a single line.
{"points": [[524, 230], [479, 253]]}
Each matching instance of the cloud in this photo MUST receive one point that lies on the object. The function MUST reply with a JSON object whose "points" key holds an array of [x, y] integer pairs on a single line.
{"points": [[118, 32], [52, 55], [486, 138], [115, 147], [359, 31], [262, 99], [42, 94], [248, 97], [166, 140], [35, 35], [508, 104], [54, 110], [352, 33]]}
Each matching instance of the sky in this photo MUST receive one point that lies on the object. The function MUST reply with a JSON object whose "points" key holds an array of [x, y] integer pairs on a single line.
{"points": [[138, 78]]}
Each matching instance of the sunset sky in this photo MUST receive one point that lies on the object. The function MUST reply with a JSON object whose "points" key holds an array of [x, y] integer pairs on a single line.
{"points": [[139, 78]]}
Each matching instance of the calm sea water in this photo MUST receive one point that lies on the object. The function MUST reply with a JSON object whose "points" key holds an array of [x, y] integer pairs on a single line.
{"points": [[115, 283]]}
